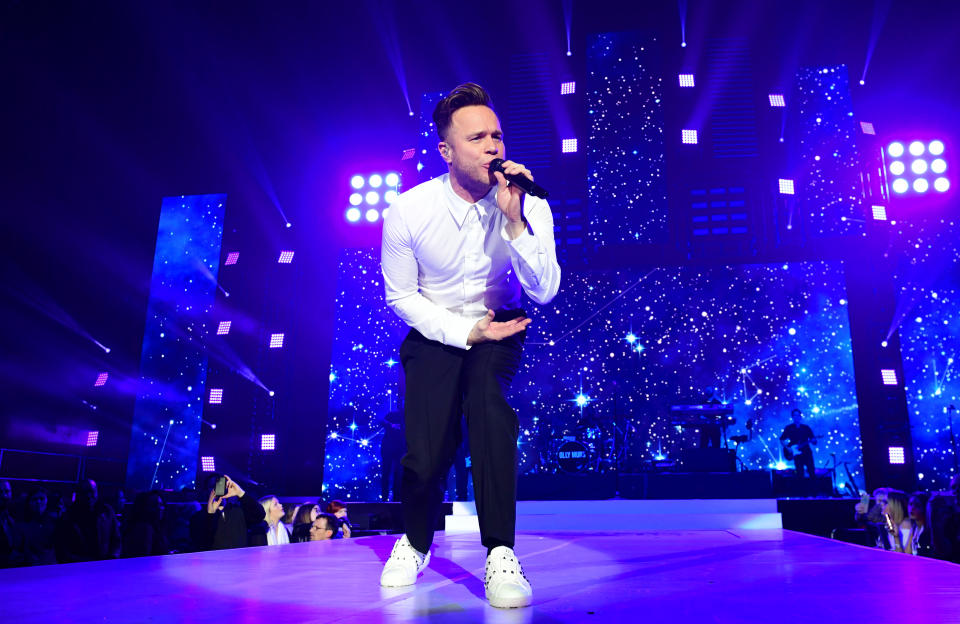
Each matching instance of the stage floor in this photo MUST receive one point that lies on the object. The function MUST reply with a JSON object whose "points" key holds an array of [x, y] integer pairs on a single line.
{"points": [[656, 576]]}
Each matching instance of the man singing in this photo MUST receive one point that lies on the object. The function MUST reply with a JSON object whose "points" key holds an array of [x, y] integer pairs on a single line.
{"points": [[456, 252]]}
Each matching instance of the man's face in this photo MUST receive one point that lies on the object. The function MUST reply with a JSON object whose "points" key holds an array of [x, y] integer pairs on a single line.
{"points": [[797, 418], [38, 503], [881, 499], [319, 530], [473, 139], [6, 492]]}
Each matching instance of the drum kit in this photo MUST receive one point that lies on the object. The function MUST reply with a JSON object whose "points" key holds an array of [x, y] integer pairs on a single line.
{"points": [[579, 447]]}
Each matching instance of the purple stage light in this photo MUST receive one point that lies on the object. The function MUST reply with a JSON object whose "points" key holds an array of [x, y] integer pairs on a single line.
{"points": [[372, 197], [900, 186], [568, 88], [917, 148], [101, 380], [941, 184], [375, 180], [207, 464], [889, 376], [92, 438], [689, 137], [568, 146], [357, 182], [276, 341], [895, 149], [935, 148], [216, 396], [867, 127], [224, 328], [268, 442], [920, 185], [392, 179], [897, 167], [938, 165], [880, 213], [777, 100], [286, 257], [232, 258], [919, 166], [786, 186], [356, 199], [372, 215], [408, 153], [687, 80], [897, 455], [353, 215]]}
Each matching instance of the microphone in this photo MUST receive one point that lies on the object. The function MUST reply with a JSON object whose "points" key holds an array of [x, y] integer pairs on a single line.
{"points": [[524, 183]]}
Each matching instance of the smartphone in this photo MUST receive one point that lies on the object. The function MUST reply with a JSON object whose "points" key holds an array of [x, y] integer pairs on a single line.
{"points": [[221, 487], [865, 499]]}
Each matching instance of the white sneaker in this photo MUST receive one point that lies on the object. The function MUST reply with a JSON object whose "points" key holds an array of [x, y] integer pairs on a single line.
{"points": [[404, 565], [505, 583]]}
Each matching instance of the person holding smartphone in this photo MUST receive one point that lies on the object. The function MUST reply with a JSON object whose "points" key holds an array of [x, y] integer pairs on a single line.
{"points": [[224, 523]]}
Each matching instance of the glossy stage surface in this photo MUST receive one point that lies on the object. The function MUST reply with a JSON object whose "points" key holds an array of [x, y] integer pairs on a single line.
{"points": [[656, 576]]}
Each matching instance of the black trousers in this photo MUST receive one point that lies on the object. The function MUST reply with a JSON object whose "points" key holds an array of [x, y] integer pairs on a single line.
{"points": [[443, 382], [804, 459]]}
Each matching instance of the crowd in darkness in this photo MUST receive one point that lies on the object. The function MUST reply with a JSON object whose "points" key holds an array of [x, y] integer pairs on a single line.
{"points": [[42, 527], [923, 523]]}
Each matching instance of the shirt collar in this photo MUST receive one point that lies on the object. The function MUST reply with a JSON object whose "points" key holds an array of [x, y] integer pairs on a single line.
{"points": [[459, 207]]}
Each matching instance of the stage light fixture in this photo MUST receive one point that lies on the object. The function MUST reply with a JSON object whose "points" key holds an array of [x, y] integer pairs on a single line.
{"points": [[687, 80], [357, 181], [777, 100], [920, 185], [867, 128], [356, 199], [935, 148], [897, 455], [897, 167], [568, 88], [207, 464], [919, 166], [232, 258], [276, 341], [900, 186], [889, 376], [101, 380], [688, 137], [224, 328], [268, 442], [375, 180], [372, 215], [392, 179], [938, 165], [941, 184], [216, 396], [895, 149], [353, 215], [389, 196], [92, 438], [917, 148], [880, 213], [372, 198], [786, 186], [568, 146], [286, 257]]}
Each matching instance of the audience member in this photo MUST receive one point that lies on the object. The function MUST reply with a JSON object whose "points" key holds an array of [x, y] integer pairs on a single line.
{"points": [[222, 525], [917, 509], [88, 530], [144, 532], [898, 524], [7, 526], [339, 510], [323, 527], [289, 514], [270, 532], [35, 531], [944, 522]]}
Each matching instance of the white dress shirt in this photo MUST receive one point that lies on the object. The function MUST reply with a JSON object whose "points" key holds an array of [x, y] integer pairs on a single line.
{"points": [[446, 261]]}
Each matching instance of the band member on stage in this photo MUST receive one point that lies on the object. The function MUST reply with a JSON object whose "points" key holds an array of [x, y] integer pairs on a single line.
{"points": [[456, 252], [796, 440]]}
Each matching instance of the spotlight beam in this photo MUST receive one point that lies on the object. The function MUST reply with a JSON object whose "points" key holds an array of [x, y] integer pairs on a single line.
{"points": [[880, 10]]}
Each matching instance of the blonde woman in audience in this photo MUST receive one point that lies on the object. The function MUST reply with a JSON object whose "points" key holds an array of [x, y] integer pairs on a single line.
{"points": [[900, 528], [276, 531]]}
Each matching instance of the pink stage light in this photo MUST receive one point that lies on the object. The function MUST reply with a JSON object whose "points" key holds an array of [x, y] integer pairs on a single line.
{"points": [[786, 186], [897, 455], [101, 380], [224, 328], [776, 100], [568, 88], [232, 258], [216, 396], [408, 153], [276, 341], [286, 257], [92, 438], [268, 442], [867, 128], [687, 80], [889, 376], [207, 464], [689, 137], [569, 146]]}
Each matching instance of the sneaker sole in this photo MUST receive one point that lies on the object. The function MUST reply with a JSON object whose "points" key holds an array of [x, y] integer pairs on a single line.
{"points": [[510, 603]]}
